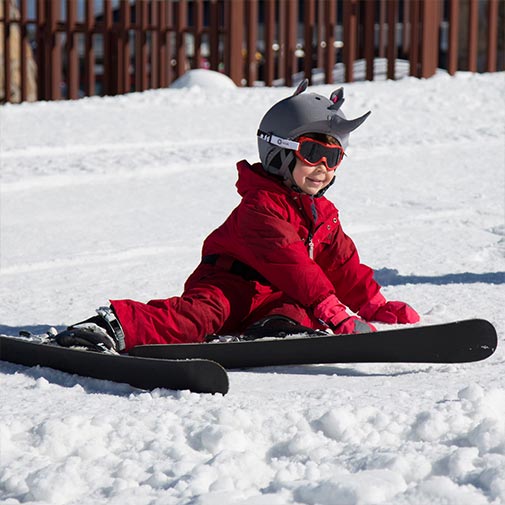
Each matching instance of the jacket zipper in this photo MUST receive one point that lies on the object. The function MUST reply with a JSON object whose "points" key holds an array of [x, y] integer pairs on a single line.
{"points": [[311, 247], [310, 242], [312, 231]]}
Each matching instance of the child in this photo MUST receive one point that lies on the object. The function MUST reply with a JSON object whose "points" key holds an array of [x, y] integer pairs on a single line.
{"points": [[280, 263]]}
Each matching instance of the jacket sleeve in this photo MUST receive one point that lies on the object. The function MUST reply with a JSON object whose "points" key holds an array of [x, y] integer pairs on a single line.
{"points": [[352, 280], [272, 246]]}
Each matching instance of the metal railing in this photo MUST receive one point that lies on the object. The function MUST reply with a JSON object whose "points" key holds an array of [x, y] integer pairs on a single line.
{"points": [[73, 48]]}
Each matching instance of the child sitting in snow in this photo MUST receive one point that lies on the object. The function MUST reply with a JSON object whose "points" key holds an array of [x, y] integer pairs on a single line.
{"points": [[280, 263]]}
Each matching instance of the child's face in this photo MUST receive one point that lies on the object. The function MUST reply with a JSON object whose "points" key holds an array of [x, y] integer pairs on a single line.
{"points": [[312, 179]]}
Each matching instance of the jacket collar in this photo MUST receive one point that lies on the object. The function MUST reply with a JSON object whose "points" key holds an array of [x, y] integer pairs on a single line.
{"points": [[254, 177]]}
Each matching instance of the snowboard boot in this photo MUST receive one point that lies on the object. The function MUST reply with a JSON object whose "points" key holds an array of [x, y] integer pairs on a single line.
{"points": [[277, 326], [100, 333]]}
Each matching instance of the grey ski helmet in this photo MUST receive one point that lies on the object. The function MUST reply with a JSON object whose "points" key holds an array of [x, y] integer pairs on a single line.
{"points": [[296, 115]]}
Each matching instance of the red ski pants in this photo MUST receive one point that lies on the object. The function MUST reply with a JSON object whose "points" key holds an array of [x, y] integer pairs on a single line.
{"points": [[214, 301]]}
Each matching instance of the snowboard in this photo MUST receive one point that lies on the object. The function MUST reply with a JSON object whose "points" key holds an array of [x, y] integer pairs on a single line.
{"points": [[455, 342], [197, 375]]}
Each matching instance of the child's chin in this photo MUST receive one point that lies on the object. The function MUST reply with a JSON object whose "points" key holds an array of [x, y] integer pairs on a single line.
{"points": [[313, 190]]}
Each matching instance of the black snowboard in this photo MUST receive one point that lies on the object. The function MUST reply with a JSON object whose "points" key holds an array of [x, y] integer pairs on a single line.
{"points": [[197, 375], [456, 342]]}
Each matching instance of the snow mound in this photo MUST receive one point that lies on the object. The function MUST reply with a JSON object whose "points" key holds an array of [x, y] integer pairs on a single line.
{"points": [[207, 79]]}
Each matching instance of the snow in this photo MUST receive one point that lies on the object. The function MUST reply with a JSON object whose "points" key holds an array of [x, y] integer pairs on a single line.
{"points": [[111, 198]]}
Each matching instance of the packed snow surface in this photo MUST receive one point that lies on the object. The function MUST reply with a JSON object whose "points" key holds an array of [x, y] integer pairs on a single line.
{"points": [[111, 198]]}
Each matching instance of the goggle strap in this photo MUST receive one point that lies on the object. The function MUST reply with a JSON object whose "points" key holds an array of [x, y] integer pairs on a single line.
{"points": [[278, 141]]}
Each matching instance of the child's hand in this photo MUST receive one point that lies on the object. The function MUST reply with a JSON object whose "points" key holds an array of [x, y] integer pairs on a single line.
{"points": [[377, 309], [335, 315], [353, 325]]}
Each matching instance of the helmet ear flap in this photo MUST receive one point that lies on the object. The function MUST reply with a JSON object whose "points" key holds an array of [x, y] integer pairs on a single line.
{"points": [[279, 159], [276, 160]]}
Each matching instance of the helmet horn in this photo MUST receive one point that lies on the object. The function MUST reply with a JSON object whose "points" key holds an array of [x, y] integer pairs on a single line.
{"points": [[349, 125], [337, 97], [301, 87]]}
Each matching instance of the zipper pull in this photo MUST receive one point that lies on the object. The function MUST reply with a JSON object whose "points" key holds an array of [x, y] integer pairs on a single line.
{"points": [[311, 249]]}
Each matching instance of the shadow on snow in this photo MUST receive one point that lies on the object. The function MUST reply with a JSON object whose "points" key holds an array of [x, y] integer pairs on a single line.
{"points": [[70, 381], [391, 277], [36, 329]]}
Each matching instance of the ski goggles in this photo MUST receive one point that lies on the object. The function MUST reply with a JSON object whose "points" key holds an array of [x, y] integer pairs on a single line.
{"points": [[309, 151], [313, 152]]}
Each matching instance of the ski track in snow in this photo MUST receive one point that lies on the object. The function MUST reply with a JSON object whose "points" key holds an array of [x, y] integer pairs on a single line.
{"points": [[111, 197]]}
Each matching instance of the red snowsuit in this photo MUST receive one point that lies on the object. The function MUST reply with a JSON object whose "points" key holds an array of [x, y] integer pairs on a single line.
{"points": [[258, 262]]}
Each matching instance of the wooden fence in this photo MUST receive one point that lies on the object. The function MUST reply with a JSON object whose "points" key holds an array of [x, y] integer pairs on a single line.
{"points": [[74, 48]]}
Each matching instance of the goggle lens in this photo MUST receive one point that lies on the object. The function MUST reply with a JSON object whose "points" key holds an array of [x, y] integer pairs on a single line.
{"points": [[314, 152]]}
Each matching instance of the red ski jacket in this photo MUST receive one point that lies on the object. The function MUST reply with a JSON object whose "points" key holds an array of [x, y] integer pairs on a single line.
{"points": [[293, 240]]}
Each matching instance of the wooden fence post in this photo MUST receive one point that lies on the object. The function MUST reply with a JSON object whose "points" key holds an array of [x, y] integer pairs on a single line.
{"points": [[473, 34], [7, 52], [330, 16], [40, 53], [492, 19], [140, 46], [154, 62], [406, 28], [414, 37], [181, 15], [234, 64], [369, 39], [452, 50], [269, 42], [214, 34], [24, 53], [290, 41], [429, 37], [320, 27], [89, 51], [169, 43], [198, 32], [53, 48], [350, 14], [162, 44], [309, 21], [110, 75], [392, 51], [252, 38], [123, 48], [72, 56]]}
